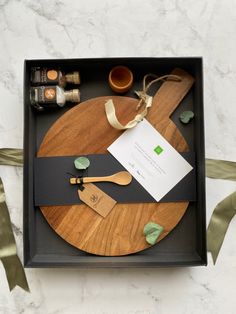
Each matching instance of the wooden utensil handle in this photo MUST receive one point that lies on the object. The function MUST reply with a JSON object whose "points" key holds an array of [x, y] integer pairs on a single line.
{"points": [[88, 180]]}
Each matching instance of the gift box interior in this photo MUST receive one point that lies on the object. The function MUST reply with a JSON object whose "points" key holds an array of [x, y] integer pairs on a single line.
{"points": [[185, 245]]}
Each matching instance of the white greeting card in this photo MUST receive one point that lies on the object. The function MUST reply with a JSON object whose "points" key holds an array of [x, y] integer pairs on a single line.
{"points": [[151, 160]]}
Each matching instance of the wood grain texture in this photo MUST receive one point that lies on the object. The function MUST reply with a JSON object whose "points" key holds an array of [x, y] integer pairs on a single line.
{"points": [[84, 130]]}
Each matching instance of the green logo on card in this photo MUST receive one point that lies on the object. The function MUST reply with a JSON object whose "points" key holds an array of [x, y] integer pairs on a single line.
{"points": [[158, 150]]}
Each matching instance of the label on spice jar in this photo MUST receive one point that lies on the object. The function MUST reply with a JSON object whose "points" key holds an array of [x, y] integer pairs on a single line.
{"points": [[44, 76], [44, 94]]}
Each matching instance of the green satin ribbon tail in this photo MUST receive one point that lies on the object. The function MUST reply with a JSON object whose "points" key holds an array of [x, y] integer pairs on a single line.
{"points": [[219, 223], [221, 169], [225, 210], [14, 270], [11, 156]]}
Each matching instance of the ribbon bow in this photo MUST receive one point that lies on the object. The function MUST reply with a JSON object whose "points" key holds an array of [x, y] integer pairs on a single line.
{"points": [[144, 100]]}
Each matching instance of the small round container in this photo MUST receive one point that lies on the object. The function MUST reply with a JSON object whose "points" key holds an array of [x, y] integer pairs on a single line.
{"points": [[120, 79]]}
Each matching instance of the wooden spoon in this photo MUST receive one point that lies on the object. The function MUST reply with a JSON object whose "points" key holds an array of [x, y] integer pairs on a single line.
{"points": [[121, 178]]}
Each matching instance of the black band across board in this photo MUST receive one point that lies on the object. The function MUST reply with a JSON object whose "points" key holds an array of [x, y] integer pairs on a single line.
{"points": [[52, 181]]}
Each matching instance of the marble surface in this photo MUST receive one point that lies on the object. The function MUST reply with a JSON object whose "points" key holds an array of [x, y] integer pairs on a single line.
{"points": [[90, 28]]}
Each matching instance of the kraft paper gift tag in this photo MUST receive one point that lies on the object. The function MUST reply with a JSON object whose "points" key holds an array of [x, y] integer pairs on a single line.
{"points": [[95, 198]]}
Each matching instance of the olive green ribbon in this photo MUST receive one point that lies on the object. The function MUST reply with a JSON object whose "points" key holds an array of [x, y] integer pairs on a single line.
{"points": [[221, 169], [8, 255], [225, 210], [219, 222]]}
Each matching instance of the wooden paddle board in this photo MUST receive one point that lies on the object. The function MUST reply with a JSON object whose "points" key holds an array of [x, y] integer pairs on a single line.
{"points": [[84, 129]]}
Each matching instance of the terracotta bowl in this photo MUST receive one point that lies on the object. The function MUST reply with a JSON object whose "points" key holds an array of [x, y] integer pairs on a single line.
{"points": [[120, 79]]}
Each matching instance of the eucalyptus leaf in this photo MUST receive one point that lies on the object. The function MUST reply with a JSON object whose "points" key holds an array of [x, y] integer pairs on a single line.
{"points": [[152, 232], [81, 163], [186, 116]]}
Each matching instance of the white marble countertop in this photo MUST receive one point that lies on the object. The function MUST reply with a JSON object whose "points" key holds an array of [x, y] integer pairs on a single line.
{"points": [[90, 28]]}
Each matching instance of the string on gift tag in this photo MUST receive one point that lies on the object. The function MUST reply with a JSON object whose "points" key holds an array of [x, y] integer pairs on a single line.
{"points": [[144, 100]]}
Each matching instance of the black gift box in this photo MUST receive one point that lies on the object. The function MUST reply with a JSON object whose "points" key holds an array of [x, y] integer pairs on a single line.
{"points": [[186, 244]]}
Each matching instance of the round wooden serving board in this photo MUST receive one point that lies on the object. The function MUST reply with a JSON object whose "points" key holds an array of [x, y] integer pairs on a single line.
{"points": [[85, 130]]}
